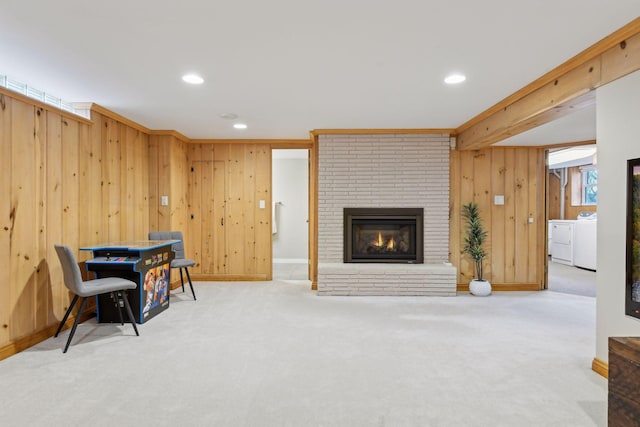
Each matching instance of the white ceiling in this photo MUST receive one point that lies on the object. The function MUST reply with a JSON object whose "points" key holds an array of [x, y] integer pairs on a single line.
{"points": [[289, 66]]}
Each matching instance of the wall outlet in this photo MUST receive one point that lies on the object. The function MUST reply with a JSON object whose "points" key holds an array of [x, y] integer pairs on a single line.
{"points": [[498, 199], [164, 200]]}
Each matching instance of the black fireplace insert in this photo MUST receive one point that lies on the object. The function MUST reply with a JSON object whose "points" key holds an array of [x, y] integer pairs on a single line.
{"points": [[383, 235]]}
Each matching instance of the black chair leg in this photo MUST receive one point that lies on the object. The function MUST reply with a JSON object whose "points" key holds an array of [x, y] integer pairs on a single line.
{"points": [[190, 284], [66, 315], [129, 312], [75, 323], [115, 296], [181, 279]]}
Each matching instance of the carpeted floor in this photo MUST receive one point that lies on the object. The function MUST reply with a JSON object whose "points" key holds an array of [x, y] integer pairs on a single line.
{"points": [[571, 280], [275, 354]]}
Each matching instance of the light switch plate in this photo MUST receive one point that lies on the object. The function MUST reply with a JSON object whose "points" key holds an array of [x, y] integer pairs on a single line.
{"points": [[498, 199], [262, 204]]}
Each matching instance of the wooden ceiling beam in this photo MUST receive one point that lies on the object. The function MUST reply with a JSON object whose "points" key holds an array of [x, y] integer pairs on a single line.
{"points": [[564, 90]]}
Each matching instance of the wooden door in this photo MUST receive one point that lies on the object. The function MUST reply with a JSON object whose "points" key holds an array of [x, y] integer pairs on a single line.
{"points": [[207, 201]]}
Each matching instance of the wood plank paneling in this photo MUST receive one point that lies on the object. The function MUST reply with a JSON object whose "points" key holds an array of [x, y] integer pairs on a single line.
{"points": [[235, 210], [127, 183], [23, 245], [482, 161], [510, 215], [218, 233], [179, 185], [154, 191], [79, 183], [263, 233], [193, 243], [54, 214], [230, 234], [6, 217], [42, 302], [71, 207], [514, 260], [65, 181], [497, 217], [465, 192], [521, 215]]}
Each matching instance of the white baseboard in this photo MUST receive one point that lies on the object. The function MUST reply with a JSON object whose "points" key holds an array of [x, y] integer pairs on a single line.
{"points": [[290, 261]]}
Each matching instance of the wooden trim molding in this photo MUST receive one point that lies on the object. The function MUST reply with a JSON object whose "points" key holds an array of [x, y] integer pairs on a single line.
{"points": [[561, 91], [600, 367], [313, 212], [317, 132], [510, 287], [33, 339], [117, 117], [558, 145], [275, 143], [173, 133], [226, 277]]}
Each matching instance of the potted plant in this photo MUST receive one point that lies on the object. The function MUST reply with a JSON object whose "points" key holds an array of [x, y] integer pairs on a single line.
{"points": [[473, 247]]}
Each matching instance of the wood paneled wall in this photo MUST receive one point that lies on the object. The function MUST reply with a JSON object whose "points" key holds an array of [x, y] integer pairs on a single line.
{"points": [[64, 180], [168, 175], [515, 245], [229, 233]]}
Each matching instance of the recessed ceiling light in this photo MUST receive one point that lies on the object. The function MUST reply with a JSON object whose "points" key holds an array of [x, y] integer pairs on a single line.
{"points": [[193, 79], [240, 126], [453, 79], [228, 116]]}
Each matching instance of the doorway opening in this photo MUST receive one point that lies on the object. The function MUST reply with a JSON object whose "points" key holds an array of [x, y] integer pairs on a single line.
{"points": [[290, 213], [572, 197]]}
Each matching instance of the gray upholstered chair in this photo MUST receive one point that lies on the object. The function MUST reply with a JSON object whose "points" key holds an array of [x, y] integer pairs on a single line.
{"points": [[179, 262], [115, 286]]}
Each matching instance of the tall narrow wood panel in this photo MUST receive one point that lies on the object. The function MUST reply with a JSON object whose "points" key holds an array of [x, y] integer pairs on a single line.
{"points": [[154, 191], [6, 217], [24, 234], [111, 159], [497, 216], [217, 234], [236, 220], [72, 210], [178, 185], [510, 215], [263, 237], [54, 214], [141, 190], [193, 244], [42, 302], [522, 249], [127, 183]]}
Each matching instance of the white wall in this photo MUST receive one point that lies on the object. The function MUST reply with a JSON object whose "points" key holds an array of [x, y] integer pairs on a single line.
{"points": [[618, 136], [290, 179]]}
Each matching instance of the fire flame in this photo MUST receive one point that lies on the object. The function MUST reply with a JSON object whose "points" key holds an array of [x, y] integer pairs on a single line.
{"points": [[391, 244], [380, 242]]}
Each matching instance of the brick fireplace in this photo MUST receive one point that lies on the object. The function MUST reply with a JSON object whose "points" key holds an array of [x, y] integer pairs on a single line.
{"points": [[384, 171]]}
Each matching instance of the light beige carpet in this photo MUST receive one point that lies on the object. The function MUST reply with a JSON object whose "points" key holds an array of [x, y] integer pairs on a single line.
{"points": [[275, 354]]}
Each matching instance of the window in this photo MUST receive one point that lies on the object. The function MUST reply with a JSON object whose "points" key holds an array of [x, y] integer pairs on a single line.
{"points": [[42, 96], [589, 186]]}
